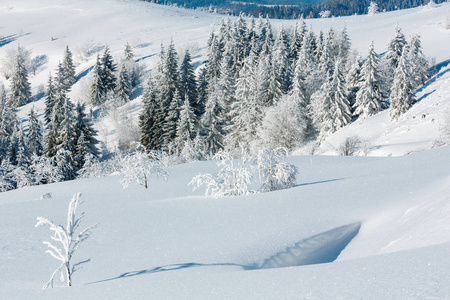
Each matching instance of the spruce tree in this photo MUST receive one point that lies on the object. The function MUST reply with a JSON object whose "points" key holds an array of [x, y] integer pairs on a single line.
{"points": [[186, 129], [213, 124], [202, 87], [402, 94], [149, 120], [108, 69], [187, 81], [34, 134], [85, 141], [68, 69], [50, 95], [169, 127], [419, 64], [394, 52], [281, 62], [123, 87], [20, 90], [353, 82], [97, 88], [369, 99]]}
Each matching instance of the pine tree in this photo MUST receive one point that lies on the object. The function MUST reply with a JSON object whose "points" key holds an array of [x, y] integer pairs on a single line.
{"points": [[128, 52], [247, 109], [335, 111], [402, 94], [419, 64], [186, 127], [394, 52], [68, 69], [188, 82], [34, 134], [97, 87], [149, 120], [49, 100], [344, 47], [169, 127], [85, 141], [281, 62], [202, 87], [20, 90], [108, 67], [213, 124], [123, 87], [353, 82], [369, 98]]}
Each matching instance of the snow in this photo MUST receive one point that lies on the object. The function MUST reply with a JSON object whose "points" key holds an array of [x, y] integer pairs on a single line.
{"points": [[169, 242]]}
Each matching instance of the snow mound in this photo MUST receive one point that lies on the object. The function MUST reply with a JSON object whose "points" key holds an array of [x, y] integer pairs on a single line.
{"points": [[321, 248]]}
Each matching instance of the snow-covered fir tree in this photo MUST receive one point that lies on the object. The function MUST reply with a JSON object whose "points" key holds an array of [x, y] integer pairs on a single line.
{"points": [[369, 99], [186, 129], [150, 118], [419, 64], [188, 82], [394, 52], [402, 94], [85, 137], [108, 69], [20, 89], [353, 82], [97, 89], [123, 87], [34, 135], [68, 69], [50, 95]]}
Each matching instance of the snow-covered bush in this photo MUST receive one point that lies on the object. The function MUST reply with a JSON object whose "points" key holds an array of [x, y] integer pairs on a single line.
{"points": [[140, 166], [372, 9], [237, 176], [92, 168], [45, 170], [349, 146], [233, 179], [275, 174], [69, 239]]}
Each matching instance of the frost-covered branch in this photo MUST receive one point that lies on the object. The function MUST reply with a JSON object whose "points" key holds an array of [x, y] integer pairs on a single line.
{"points": [[68, 241]]}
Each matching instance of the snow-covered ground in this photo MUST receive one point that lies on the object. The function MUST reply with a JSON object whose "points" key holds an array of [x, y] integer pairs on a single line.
{"points": [[390, 214], [168, 242]]}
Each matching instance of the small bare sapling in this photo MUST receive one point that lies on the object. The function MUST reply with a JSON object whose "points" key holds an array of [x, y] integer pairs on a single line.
{"points": [[66, 241]]}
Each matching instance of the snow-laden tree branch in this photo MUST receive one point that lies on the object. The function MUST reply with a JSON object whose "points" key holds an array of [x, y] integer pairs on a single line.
{"points": [[140, 166], [236, 176], [66, 241]]}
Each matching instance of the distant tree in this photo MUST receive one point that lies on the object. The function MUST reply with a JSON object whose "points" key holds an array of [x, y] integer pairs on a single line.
{"points": [[372, 9]]}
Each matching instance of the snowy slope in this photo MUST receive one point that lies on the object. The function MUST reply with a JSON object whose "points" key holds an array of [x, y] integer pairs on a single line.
{"points": [[87, 26], [171, 243]]}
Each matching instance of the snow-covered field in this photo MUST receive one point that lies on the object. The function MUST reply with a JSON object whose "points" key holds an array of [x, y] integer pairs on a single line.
{"points": [[392, 214]]}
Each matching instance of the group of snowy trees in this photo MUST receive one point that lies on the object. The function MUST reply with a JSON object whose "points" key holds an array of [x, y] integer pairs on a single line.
{"points": [[45, 153], [113, 84], [264, 91]]}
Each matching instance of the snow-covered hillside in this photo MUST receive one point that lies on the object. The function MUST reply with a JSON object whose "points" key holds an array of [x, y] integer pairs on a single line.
{"points": [[47, 27], [353, 227]]}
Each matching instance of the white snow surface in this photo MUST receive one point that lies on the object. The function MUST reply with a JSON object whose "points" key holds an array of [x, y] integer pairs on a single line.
{"points": [[169, 242]]}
